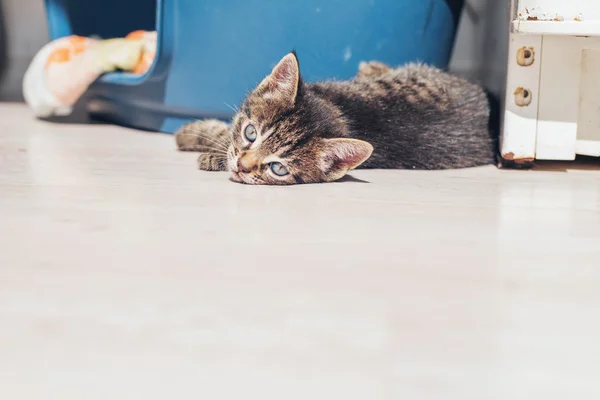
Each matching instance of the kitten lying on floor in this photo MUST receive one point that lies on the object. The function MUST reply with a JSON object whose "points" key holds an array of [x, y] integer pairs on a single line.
{"points": [[288, 131]]}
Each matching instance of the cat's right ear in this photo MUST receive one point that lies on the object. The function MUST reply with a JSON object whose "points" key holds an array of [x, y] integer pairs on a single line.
{"points": [[338, 156], [282, 84]]}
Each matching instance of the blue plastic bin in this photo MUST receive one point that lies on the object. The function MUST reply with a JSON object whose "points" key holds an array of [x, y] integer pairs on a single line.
{"points": [[212, 52]]}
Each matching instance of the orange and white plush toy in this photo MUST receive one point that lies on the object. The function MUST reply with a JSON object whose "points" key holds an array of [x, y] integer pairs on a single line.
{"points": [[64, 68]]}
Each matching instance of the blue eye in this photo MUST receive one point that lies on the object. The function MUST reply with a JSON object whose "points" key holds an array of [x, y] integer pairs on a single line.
{"points": [[278, 169], [250, 133]]}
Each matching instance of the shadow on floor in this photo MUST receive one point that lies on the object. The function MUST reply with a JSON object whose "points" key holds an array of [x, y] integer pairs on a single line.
{"points": [[350, 178], [581, 163], [79, 116]]}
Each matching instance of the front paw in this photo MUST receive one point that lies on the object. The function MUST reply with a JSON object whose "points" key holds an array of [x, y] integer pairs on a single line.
{"points": [[212, 162], [205, 135]]}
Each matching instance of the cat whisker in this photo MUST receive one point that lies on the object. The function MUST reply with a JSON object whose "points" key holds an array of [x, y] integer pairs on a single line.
{"points": [[235, 110], [221, 145], [220, 156], [206, 149], [223, 142]]}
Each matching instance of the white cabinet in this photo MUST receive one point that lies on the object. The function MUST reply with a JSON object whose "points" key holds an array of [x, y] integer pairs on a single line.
{"points": [[552, 106]]}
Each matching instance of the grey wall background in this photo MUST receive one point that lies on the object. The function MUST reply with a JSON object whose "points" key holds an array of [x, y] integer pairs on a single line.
{"points": [[481, 47], [24, 31], [479, 54]]}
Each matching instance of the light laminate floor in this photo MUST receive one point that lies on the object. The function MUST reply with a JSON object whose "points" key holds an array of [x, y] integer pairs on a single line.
{"points": [[125, 273]]}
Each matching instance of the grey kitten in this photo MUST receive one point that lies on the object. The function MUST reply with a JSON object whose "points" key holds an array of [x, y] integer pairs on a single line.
{"points": [[289, 132]]}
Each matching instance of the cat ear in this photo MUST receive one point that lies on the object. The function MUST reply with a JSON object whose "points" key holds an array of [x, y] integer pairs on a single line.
{"points": [[282, 84], [338, 156]]}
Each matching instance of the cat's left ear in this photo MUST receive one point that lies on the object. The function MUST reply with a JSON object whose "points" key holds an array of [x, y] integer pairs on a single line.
{"points": [[282, 84], [338, 156]]}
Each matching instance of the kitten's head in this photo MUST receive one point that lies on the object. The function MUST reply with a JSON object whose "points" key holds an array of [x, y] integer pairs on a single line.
{"points": [[283, 134]]}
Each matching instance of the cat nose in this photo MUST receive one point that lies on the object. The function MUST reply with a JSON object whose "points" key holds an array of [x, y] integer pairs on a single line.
{"points": [[247, 162], [243, 165]]}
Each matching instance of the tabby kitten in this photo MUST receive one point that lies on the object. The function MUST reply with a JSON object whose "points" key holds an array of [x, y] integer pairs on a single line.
{"points": [[288, 131]]}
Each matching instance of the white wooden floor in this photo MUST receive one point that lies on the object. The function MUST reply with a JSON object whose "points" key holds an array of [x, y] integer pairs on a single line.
{"points": [[125, 273]]}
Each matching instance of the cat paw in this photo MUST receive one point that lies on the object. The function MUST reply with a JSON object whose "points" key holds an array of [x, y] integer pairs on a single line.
{"points": [[372, 69], [202, 135], [212, 162]]}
